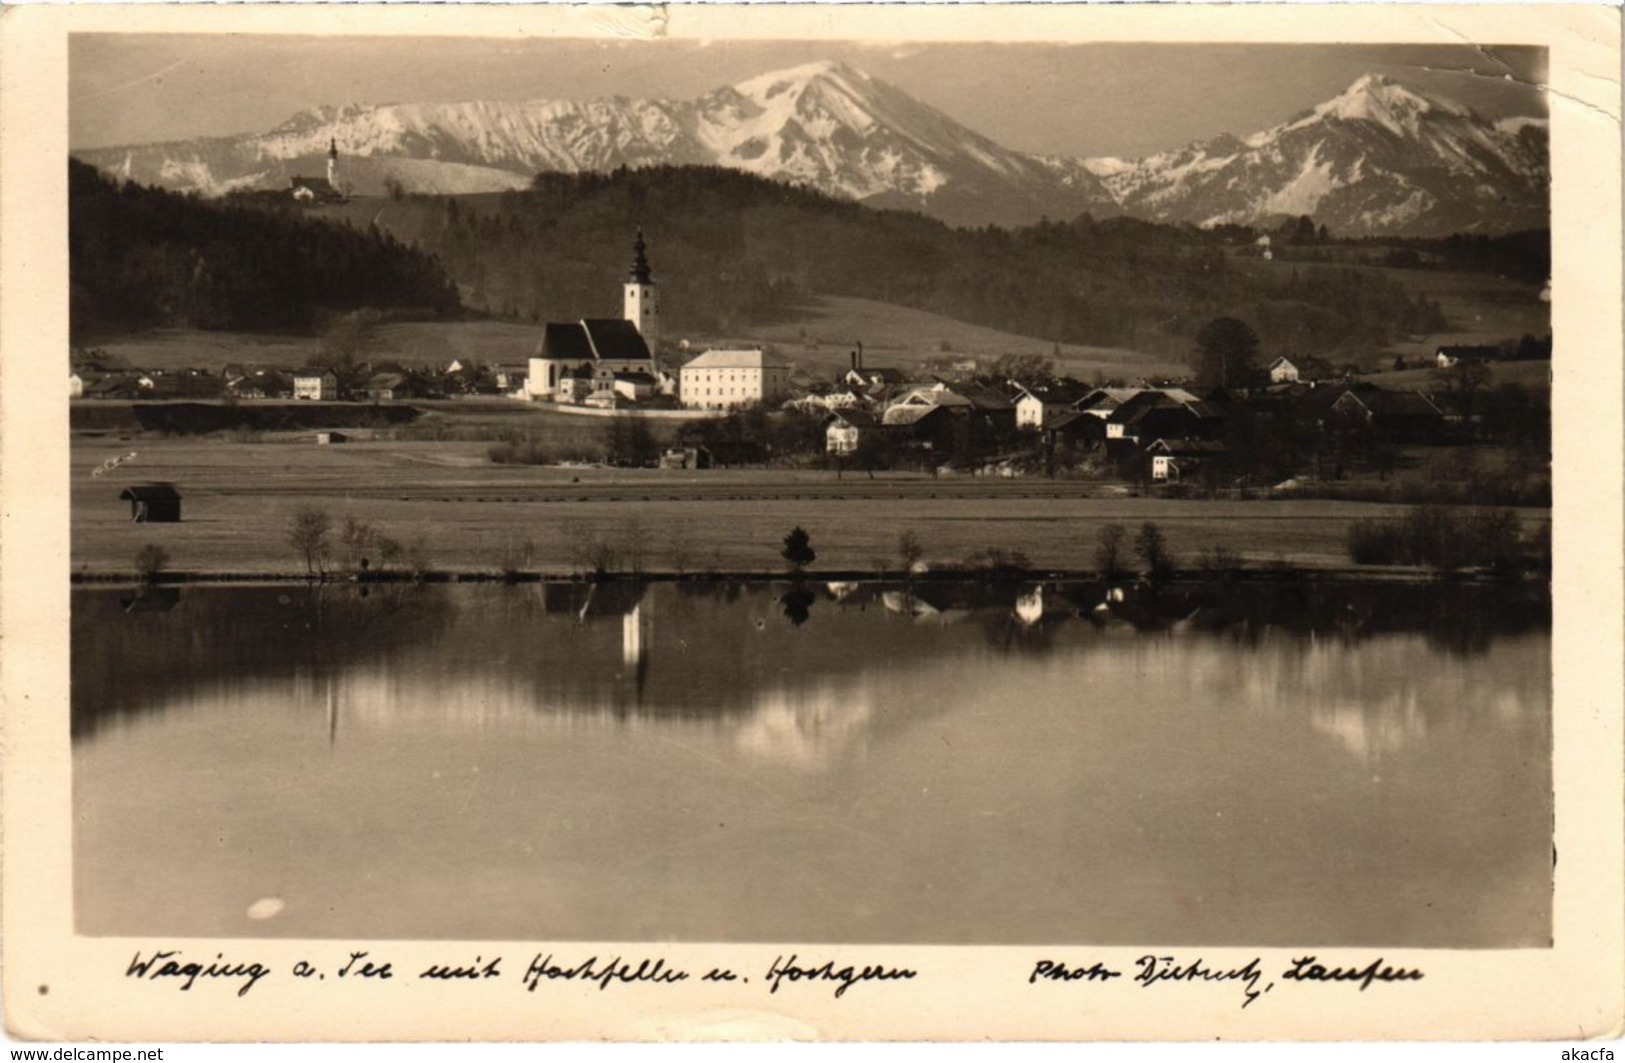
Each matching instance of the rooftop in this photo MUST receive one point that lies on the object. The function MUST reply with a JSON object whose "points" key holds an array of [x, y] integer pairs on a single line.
{"points": [[753, 358]]}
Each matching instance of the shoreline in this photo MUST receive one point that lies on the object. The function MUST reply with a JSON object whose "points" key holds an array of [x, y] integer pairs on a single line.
{"points": [[1276, 574]]}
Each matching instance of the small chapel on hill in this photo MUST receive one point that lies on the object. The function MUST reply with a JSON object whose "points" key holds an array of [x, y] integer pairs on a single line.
{"points": [[320, 189], [603, 357]]}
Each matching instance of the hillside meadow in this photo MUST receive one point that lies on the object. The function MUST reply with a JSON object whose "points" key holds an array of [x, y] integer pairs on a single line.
{"points": [[818, 337]]}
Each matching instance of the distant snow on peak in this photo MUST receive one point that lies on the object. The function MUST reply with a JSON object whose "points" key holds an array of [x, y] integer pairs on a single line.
{"points": [[796, 78], [1518, 123], [1384, 101], [1106, 165], [1380, 157]]}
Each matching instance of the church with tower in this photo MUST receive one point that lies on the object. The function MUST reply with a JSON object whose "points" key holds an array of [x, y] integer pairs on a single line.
{"points": [[601, 361], [320, 189]]}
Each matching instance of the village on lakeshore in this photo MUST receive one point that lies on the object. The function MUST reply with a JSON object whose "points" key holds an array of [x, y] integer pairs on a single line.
{"points": [[1442, 415], [1011, 416]]}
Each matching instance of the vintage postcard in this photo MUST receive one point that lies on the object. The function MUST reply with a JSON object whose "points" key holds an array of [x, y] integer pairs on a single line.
{"points": [[812, 523]]}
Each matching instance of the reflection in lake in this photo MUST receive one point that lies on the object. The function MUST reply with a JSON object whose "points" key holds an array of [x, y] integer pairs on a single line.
{"points": [[1267, 764]]}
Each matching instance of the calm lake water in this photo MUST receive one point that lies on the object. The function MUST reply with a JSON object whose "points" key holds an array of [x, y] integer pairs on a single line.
{"points": [[1247, 764]]}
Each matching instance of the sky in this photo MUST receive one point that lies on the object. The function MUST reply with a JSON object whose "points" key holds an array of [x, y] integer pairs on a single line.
{"points": [[1064, 99]]}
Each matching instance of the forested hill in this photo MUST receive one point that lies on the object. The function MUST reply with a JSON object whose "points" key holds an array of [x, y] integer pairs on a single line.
{"points": [[729, 248], [142, 257]]}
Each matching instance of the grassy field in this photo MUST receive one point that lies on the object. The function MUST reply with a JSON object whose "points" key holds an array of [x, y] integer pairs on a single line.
{"points": [[466, 515], [824, 333]]}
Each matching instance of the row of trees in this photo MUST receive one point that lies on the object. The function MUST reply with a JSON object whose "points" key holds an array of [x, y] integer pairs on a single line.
{"points": [[1430, 535]]}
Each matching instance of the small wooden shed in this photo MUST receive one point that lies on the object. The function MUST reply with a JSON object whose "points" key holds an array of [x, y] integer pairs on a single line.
{"points": [[153, 503]]}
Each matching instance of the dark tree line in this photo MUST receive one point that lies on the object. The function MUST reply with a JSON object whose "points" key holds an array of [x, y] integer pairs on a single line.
{"points": [[729, 248], [144, 257]]}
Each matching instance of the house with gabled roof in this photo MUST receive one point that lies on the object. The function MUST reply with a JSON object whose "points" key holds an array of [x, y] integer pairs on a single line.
{"points": [[1073, 428], [1398, 416], [1152, 414], [846, 427], [1173, 460], [1035, 403], [932, 427], [1284, 371], [1102, 402]]}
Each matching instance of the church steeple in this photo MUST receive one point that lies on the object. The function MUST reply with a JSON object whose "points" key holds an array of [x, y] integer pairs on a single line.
{"points": [[641, 305], [640, 263]]}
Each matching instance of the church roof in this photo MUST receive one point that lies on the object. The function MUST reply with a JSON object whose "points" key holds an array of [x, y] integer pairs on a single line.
{"points": [[565, 341], [616, 339], [593, 340]]}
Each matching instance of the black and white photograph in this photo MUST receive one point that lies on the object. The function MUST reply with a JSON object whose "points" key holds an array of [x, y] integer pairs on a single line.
{"points": [[833, 496]]}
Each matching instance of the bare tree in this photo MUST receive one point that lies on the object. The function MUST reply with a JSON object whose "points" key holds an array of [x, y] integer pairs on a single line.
{"points": [[358, 539], [1109, 551], [1152, 549], [307, 534]]}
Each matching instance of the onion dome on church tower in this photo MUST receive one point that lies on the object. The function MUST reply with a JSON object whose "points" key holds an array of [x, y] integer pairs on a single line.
{"points": [[640, 263]]}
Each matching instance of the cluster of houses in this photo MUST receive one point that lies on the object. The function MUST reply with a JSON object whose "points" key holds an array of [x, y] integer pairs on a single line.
{"points": [[611, 363], [94, 375], [1175, 429]]}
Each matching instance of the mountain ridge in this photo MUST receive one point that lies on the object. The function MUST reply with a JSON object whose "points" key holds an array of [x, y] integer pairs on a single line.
{"points": [[1379, 159]]}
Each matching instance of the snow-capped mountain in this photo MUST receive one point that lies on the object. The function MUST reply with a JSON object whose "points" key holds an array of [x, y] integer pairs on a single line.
{"points": [[825, 125], [1380, 158]]}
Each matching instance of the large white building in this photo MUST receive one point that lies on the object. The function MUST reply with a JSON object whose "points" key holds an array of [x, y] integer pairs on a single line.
{"points": [[600, 349], [722, 380], [316, 384]]}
